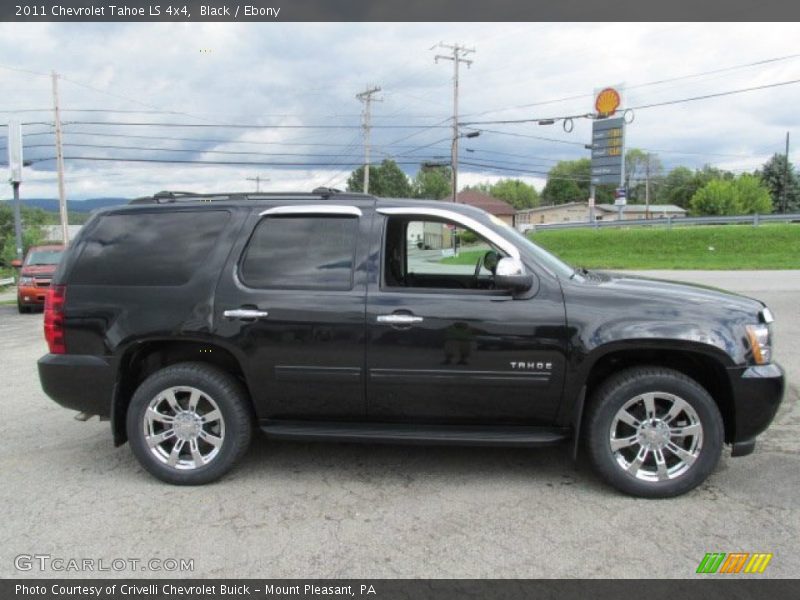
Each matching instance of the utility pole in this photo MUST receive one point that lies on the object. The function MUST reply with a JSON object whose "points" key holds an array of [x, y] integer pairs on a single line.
{"points": [[367, 98], [15, 164], [62, 197], [647, 187], [457, 56], [258, 179], [785, 194]]}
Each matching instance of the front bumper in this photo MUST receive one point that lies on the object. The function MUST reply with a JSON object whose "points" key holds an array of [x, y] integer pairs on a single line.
{"points": [[757, 394], [80, 382], [31, 295]]}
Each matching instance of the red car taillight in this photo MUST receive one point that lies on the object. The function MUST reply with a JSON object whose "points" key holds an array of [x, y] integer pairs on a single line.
{"points": [[54, 319]]}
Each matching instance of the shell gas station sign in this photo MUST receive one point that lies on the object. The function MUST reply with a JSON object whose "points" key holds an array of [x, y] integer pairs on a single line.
{"points": [[607, 101], [608, 138]]}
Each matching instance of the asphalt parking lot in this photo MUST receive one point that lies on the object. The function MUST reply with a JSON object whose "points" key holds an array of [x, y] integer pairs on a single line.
{"points": [[343, 510]]}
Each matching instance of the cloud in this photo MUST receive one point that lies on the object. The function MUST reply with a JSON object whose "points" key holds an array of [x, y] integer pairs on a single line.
{"points": [[305, 74]]}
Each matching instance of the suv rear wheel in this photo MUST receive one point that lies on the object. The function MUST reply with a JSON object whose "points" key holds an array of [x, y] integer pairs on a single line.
{"points": [[189, 423], [653, 432]]}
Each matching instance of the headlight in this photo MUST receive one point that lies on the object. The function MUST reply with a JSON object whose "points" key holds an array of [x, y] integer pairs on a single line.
{"points": [[760, 343], [26, 280]]}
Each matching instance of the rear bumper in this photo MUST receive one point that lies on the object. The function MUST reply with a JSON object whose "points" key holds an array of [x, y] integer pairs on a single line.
{"points": [[757, 394], [80, 382]]}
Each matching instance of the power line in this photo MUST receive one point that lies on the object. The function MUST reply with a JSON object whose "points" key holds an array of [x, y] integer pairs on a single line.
{"points": [[230, 125], [528, 171], [197, 150], [529, 136], [211, 162], [641, 85], [640, 107], [717, 95], [199, 140]]}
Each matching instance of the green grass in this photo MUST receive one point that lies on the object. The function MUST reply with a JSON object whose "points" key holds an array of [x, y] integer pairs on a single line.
{"points": [[774, 246]]}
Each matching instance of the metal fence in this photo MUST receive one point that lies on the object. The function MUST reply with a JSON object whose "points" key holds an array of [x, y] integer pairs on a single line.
{"points": [[668, 222]]}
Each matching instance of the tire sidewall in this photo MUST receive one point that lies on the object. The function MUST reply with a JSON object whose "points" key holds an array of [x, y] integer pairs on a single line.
{"points": [[206, 379], [616, 393]]}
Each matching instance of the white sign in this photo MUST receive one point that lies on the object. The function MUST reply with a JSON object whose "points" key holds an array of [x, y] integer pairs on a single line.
{"points": [[15, 151]]}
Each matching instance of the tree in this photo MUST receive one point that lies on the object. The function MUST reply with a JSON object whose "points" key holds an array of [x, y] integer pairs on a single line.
{"points": [[772, 174], [679, 186], [386, 180], [745, 195], [432, 183], [717, 197], [517, 193], [32, 221], [639, 167], [568, 181], [752, 195]]}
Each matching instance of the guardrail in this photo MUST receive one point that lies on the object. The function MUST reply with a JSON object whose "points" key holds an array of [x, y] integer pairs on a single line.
{"points": [[668, 222], [7, 281]]}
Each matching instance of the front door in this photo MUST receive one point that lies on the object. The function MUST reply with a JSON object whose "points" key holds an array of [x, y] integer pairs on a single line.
{"points": [[444, 346], [292, 302]]}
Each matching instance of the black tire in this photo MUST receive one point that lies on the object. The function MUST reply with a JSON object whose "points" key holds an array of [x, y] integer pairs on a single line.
{"points": [[22, 308], [236, 422], [624, 387]]}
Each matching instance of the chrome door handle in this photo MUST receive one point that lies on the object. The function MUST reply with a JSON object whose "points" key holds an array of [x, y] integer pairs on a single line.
{"points": [[400, 319], [245, 313]]}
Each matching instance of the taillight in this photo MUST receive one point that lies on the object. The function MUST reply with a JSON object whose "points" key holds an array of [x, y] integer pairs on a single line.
{"points": [[54, 319]]}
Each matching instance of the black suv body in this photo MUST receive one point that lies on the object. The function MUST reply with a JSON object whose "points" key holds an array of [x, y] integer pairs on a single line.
{"points": [[188, 320]]}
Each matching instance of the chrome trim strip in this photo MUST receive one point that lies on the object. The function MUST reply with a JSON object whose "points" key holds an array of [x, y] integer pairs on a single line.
{"points": [[464, 220], [318, 209]]}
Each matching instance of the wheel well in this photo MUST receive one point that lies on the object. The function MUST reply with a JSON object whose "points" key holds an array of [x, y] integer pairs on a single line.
{"points": [[704, 369], [147, 358]]}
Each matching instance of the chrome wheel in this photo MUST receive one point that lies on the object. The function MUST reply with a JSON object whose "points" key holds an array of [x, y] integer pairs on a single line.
{"points": [[184, 428], [656, 436]]}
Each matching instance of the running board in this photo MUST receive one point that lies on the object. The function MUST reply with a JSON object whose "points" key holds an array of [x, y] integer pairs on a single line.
{"points": [[397, 433]]}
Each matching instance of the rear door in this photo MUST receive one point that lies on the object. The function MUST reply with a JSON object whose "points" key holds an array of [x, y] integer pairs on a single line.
{"points": [[292, 301]]}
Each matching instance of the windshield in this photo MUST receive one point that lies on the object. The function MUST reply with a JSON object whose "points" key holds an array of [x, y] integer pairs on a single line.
{"points": [[43, 257], [542, 256]]}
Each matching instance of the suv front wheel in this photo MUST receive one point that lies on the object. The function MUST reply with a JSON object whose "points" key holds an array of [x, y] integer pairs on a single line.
{"points": [[189, 423], [653, 432]]}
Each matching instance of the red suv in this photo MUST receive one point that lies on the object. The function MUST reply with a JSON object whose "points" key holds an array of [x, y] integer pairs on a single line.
{"points": [[36, 272]]}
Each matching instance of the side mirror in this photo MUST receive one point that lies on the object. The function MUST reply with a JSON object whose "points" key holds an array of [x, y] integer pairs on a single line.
{"points": [[16, 263], [511, 275]]}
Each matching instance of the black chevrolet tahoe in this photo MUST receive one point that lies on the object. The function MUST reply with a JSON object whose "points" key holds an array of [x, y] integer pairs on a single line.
{"points": [[189, 320]]}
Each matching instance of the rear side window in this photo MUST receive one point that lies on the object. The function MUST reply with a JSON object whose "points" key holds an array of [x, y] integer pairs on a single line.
{"points": [[302, 252], [163, 249]]}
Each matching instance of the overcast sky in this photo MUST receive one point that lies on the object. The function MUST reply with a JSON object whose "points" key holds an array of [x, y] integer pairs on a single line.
{"points": [[308, 74]]}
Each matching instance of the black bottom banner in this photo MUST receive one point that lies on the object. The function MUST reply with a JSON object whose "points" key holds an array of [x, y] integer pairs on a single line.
{"points": [[390, 589]]}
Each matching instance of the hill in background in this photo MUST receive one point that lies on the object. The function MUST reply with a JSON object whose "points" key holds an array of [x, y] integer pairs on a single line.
{"points": [[78, 206]]}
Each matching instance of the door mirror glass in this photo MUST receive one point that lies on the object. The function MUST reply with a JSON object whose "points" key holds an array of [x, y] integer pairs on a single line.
{"points": [[511, 275]]}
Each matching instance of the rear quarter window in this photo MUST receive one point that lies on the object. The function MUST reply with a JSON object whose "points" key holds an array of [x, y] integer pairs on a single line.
{"points": [[155, 248], [301, 252]]}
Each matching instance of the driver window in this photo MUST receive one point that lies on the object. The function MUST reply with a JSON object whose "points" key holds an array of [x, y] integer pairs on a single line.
{"points": [[434, 253]]}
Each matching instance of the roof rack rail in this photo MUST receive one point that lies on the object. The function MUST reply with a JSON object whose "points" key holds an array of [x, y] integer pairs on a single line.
{"points": [[166, 196], [325, 192], [173, 195]]}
